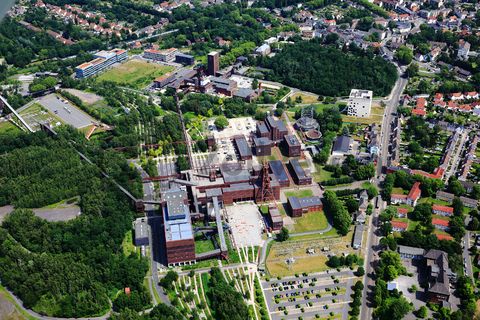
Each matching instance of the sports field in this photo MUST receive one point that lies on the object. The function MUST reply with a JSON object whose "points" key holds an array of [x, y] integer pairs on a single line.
{"points": [[136, 74]]}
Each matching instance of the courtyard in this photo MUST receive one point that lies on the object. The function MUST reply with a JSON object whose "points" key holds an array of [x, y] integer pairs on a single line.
{"points": [[246, 224]]}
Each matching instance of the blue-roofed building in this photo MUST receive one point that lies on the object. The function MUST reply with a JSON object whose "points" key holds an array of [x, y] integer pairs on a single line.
{"points": [[280, 173], [179, 240]]}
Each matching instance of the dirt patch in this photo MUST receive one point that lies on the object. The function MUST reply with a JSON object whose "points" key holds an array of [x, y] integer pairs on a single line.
{"points": [[86, 97]]}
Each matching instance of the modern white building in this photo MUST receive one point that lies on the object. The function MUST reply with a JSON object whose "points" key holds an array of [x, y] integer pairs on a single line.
{"points": [[360, 103], [167, 55], [103, 60]]}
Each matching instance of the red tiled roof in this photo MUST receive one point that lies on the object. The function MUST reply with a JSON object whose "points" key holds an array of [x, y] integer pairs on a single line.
{"points": [[398, 196], [444, 237], [437, 207], [419, 112], [415, 192], [399, 224], [402, 210], [437, 173], [421, 103], [440, 222]]}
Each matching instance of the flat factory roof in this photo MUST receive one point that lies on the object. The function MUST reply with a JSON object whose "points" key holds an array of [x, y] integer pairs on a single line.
{"points": [[278, 170]]}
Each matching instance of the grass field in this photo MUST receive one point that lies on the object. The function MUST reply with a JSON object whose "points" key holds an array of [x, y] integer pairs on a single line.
{"points": [[310, 221], [306, 98], [135, 73], [321, 174], [36, 113], [8, 127], [296, 247], [127, 244], [376, 116], [300, 193], [202, 244]]}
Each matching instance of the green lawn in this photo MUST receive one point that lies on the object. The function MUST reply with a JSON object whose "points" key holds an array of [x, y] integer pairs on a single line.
{"points": [[127, 244], [397, 191], [321, 174], [39, 113], [202, 244], [300, 194], [309, 222], [136, 74], [433, 201], [8, 127]]}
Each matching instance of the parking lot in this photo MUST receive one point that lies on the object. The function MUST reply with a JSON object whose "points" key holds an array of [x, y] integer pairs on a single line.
{"points": [[67, 112], [226, 151], [309, 295], [246, 224]]}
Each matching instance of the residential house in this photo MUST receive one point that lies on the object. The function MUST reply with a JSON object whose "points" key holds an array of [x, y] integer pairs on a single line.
{"points": [[399, 226], [440, 224], [442, 210]]}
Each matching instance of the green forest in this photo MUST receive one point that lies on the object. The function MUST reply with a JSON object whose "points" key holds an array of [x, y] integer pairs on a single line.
{"points": [[74, 268], [329, 71]]}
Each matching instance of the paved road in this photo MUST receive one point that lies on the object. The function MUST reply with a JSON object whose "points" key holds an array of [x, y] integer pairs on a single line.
{"points": [[41, 317], [466, 256], [66, 111], [154, 222], [391, 106]]}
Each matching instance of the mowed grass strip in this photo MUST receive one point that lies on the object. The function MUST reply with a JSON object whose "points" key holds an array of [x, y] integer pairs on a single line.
{"points": [[135, 74], [310, 221]]}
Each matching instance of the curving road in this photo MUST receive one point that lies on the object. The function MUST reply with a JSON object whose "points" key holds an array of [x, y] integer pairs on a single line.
{"points": [[33, 314]]}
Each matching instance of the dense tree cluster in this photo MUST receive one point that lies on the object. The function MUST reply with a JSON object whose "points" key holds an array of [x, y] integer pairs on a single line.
{"points": [[19, 51], [159, 312], [74, 268], [225, 301], [337, 212], [329, 71]]}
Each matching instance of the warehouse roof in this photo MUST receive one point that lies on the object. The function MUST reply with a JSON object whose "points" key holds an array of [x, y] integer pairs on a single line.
{"points": [[261, 142], [297, 168], [176, 218], [302, 203], [342, 144], [243, 147], [278, 170], [291, 140]]}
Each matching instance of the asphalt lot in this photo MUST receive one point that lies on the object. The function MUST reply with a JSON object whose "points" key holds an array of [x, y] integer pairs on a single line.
{"points": [[66, 111], [294, 290]]}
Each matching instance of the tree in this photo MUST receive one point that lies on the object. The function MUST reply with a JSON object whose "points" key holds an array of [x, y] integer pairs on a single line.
{"points": [[221, 122], [474, 224], [168, 280], [390, 266], [404, 55], [422, 312], [393, 308], [336, 210], [455, 187], [255, 84], [225, 301], [457, 205], [352, 204], [283, 235], [422, 212], [412, 70], [182, 163], [360, 272]]}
